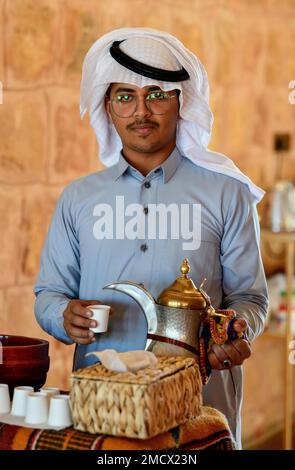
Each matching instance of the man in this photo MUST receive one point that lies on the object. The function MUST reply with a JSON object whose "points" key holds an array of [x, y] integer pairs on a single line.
{"points": [[148, 102]]}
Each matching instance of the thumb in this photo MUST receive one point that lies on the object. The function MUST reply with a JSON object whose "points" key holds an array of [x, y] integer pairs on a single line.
{"points": [[90, 302], [86, 303]]}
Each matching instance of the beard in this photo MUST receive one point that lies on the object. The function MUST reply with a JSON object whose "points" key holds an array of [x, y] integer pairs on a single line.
{"points": [[145, 147]]}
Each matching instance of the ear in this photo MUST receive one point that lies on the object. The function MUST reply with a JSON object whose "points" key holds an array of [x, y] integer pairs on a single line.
{"points": [[107, 105]]}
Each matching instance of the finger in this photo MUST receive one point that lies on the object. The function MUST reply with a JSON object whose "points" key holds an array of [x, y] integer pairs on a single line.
{"points": [[232, 354], [219, 353], [240, 325], [84, 303], [77, 320], [214, 362], [243, 347], [95, 302], [79, 332], [227, 352], [81, 310]]}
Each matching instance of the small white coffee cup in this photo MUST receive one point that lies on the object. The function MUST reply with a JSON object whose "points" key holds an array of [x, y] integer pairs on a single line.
{"points": [[37, 408], [101, 315], [59, 411], [50, 390], [4, 399], [19, 401]]}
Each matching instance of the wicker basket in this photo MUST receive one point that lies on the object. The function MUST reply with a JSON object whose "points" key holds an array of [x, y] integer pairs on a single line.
{"points": [[138, 404]]}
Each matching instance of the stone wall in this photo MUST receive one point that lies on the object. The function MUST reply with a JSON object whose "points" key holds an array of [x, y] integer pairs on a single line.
{"points": [[248, 49]]}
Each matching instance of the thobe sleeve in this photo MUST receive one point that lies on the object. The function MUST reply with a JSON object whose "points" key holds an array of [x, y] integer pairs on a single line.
{"points": [[244, 283], [59, 277]]}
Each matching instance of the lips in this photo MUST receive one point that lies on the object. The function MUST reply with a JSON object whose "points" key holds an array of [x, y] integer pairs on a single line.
{"points": [[143, 130]]}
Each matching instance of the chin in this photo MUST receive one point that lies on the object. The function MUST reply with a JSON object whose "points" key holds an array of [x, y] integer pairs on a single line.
{"points": [[148, 148]]}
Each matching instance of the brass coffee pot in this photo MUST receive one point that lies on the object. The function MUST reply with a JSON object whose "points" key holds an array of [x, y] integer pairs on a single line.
{"points": [[175, 318]]}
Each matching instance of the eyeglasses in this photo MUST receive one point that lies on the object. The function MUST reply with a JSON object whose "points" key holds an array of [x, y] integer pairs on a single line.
{"points": [[124, 105]]}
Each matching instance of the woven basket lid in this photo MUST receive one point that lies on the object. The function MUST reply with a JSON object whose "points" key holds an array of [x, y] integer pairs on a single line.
{"points": [[166, 366]]}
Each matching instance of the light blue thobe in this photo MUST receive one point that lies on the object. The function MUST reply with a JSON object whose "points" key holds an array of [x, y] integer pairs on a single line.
{"points": [[76, 264]]}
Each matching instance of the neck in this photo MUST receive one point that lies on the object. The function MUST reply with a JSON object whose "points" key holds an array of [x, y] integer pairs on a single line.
{"points": [[146, 162]]}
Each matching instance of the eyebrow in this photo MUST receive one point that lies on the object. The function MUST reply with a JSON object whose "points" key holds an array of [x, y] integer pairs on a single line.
{"points": [[130, 90]]}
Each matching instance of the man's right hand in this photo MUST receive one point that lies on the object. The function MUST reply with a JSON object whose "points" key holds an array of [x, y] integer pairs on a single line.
{"points": [[77, 321]]}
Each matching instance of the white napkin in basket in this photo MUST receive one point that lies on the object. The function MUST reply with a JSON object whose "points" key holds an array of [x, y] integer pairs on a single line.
{"points": [[125, 361]]}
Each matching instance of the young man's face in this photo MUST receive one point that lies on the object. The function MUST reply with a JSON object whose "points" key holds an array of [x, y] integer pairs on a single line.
{"points": [[143, 131]]}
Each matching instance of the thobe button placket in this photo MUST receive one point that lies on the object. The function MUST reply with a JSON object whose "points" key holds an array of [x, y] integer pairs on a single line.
{"points": [[145, 210], [143, 247], [147, 184]]}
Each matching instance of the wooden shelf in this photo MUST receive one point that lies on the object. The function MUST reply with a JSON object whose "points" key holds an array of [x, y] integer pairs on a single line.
{"points": [[287, 239]]}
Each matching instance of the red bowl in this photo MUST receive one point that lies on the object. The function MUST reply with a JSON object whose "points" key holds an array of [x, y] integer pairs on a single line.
{"points": [[25, 361]]}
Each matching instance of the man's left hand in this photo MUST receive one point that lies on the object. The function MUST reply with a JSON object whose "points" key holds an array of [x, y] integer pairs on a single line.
{"points": [[231, 353]]}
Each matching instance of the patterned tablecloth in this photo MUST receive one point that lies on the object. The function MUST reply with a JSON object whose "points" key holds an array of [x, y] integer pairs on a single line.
{"points": [[209, 431]]}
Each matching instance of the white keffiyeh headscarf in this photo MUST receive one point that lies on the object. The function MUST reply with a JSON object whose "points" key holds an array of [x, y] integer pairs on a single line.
{"points": [[164, 51]]}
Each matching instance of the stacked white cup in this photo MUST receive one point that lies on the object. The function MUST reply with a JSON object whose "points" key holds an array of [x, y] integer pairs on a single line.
{"points": [[46, 407], [4, 399], [19, 401], [37, 408], [59, 411]]}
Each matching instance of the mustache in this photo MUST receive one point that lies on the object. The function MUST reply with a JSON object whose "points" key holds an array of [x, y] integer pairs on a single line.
{"points": [[142, 123]]}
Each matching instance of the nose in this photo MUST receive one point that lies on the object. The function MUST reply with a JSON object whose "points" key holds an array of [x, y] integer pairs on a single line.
{"points": [[141, 107]]}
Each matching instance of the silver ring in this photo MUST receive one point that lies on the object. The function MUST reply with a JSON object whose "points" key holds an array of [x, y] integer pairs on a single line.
{"points": [[227, 363]]}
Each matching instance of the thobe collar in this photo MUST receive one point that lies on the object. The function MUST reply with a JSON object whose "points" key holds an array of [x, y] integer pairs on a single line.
{"points": [[167, 168]]}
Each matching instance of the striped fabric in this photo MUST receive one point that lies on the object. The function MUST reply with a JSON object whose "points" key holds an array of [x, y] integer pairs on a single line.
{"points": [[209, 431]]}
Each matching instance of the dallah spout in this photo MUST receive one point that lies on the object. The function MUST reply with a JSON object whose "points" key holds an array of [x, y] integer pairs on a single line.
{"points": [[144, 299]]}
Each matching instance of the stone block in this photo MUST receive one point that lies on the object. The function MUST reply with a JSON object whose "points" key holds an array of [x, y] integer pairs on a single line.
{"points": [[288, 6], [80, 28], [61, 363], [31, 241], [145, 14], [291, 51], [276, 61], [19, 318], [281, 111], [23, 132], [190, 32], [73, 140], [52, 195], [246, 7], [38, 203], [225, 35], [249, 63], [10, 216], [32, 41], [119, 14], [2, 78], [2, 294], [239, 108], [260, 122]]}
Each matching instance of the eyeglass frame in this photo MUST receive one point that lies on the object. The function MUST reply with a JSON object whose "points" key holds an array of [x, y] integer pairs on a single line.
{"points": [[146, 101]]}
